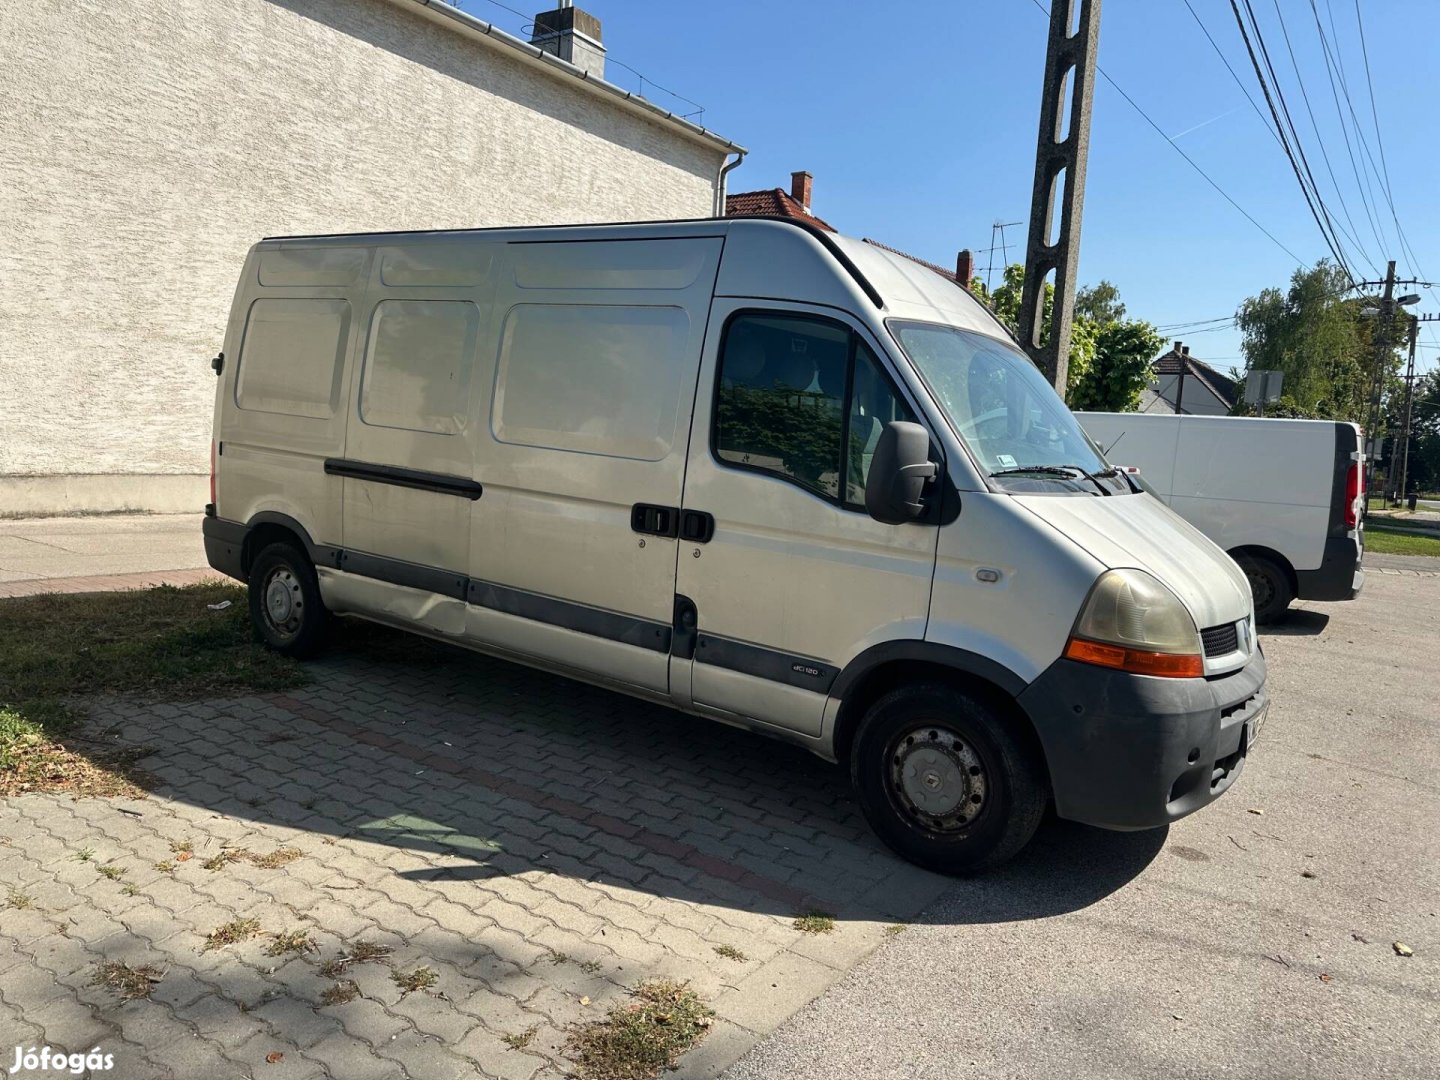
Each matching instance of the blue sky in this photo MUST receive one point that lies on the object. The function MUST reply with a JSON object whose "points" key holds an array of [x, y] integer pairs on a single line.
{"points": [[919, 121]]}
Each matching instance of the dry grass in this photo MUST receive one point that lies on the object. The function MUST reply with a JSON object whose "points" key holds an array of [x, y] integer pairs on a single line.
{"points": [[276, 859], [362, 952], [422, 978], [160, 643], [114, 873], [224, 857], [231, 933], [182, 847], [730, 952], [639, 1040], [292, 941], [129, 982], [815, 922], [19, 901], [895, 929], [165, 866], [340, 993], [521, 1039]]}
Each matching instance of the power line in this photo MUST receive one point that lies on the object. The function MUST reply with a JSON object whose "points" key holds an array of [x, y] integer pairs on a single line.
{"points": [[1188, 159], [1320, 139], [1295, 153], [1225, 60]]}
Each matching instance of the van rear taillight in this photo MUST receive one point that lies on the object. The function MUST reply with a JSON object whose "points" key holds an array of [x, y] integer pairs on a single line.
{"points": [[212, 472], [1352, 495]]}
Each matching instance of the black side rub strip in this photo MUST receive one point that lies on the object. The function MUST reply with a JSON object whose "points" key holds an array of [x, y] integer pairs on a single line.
{"points": [[765, 663], [626, 629], [441, 483]]}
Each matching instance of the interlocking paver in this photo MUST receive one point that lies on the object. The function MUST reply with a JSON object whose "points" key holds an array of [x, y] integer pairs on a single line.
{"points": [[475, 817]]}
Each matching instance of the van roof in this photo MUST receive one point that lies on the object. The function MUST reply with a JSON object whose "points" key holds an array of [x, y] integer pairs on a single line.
{"points": [[893, 283]]}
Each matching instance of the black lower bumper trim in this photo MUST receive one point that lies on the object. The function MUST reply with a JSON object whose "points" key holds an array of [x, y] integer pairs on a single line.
{"points": [[1340, 576], [225, 546], [1136, 752]]}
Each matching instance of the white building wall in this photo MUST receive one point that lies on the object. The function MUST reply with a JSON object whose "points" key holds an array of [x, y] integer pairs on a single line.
{"points": [[145, 144]]}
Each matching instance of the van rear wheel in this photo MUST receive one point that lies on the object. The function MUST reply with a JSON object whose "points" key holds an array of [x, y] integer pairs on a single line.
{"points": [[1269, 584], [285, 604], [944, 781]]}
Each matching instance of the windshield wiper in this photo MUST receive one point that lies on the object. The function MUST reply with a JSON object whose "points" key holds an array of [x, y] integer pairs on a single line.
{"points": [[1063, 470]]}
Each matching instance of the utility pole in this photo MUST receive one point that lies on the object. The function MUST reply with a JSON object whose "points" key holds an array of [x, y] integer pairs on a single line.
{"points": [[1382, 347], [1409, 403], [1069, 57]]}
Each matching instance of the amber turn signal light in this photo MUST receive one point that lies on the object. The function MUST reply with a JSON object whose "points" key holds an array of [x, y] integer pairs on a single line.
{"points": [[1136, 661]]}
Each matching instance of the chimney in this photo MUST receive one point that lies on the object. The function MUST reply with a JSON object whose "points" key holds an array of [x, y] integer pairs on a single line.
{"points": [[1185, 351], [1176, 349], [572, 35], [801, 186], [964, 268]]}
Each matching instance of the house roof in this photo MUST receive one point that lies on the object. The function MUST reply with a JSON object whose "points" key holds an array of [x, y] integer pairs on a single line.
{"points": [[1222, 386], [466, 25], [772, 202]]}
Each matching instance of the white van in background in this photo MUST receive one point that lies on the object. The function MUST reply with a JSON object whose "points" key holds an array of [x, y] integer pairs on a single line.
{"points": [[1283, 497], [754, 471]]}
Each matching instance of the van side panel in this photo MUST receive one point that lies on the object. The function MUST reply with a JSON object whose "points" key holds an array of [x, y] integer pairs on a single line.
{"points": [[596, 349], [281, 399]]}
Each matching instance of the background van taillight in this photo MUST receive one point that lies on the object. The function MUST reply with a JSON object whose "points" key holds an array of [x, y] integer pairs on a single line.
{"points": [[1352, 495], [212, 472]]}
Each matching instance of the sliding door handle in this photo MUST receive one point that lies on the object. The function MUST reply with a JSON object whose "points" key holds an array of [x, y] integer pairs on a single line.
{"points": [[696, 526]]}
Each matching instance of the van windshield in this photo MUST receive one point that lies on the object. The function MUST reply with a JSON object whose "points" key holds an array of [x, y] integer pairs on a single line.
{"points": [[1001, 406]]}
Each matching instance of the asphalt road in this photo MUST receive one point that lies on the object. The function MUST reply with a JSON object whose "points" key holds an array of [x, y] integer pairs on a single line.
{"points": [[1244, 944]]}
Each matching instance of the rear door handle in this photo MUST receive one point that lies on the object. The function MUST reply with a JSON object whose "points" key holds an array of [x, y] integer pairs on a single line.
{"points": [[655, 520], [696, 526]]}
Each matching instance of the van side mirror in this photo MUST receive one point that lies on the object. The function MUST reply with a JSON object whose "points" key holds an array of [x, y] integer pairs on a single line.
{"points": [[899, 470]]}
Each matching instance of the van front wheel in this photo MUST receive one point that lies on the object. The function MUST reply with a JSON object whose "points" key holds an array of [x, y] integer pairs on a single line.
{"points": [[285, 604], [944, 781]]}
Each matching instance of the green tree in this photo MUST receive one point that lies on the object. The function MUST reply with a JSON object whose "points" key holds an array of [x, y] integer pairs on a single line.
{"points": [[1315, 333], [1110, 355]]}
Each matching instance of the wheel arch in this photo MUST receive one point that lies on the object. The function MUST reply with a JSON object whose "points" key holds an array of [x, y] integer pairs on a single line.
{"points": [[892, 664], [270, 527], [1260, 551]]}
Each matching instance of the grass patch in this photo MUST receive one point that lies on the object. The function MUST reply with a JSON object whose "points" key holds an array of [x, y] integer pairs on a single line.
{"points": [[277, 858], [639, 1040], [84, 854], [182, 847], [422, 978], [362, 952], [520, 1039], [129, 982], [231, 933], [340, 993], [165, 866], [19, 901], [895, 929], [130, 889], [293, 941], [160, 643], [815, 922], [730, 952], [1383, 542], [114, 873], [224, 857]]}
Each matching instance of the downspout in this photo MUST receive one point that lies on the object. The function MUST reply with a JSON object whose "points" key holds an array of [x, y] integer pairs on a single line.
{"points": [[721, 179]]}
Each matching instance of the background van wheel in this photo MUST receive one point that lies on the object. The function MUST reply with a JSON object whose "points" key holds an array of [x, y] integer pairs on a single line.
{"points": [[944, 780], [285, 604], [1270, 585]]}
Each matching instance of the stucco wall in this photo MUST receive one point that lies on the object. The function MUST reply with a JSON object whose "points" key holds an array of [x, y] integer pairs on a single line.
{"points": [[145, 144]]}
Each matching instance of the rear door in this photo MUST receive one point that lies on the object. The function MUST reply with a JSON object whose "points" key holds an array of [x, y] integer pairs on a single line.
{"points": [[782, 574], [583, 456]]}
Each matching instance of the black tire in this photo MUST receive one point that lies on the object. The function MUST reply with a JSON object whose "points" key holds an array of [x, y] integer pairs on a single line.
{"points": [[974, 759], [1269, 584], [285, 605]]}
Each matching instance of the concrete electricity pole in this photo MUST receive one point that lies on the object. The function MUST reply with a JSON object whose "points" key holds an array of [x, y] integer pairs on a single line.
{"points": [[1409, 403], [1382, 347], [1069, 57]]}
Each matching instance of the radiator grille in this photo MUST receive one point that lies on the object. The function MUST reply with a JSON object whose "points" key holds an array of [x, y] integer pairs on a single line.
{"points": [[1220, 640]]}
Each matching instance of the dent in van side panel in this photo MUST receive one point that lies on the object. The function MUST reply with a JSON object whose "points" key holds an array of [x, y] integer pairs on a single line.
{"points": [[326, 267], [1022, 620], [448, 265], [350, 592]]}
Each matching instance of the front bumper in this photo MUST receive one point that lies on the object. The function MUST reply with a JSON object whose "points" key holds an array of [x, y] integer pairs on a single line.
{"points": [[1136, 752]]}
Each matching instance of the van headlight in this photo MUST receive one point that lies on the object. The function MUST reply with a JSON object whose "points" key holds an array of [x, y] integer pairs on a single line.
{"points": [[1131, 622]]}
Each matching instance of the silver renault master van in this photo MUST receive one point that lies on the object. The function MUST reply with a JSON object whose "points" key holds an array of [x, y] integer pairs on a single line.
{"points": [[760, 473]]}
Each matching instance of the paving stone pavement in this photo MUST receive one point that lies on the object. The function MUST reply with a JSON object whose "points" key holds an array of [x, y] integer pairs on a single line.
{"points": [[535, 842]]}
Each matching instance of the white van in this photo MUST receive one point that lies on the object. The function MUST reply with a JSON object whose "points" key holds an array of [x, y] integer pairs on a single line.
{"points": [[763, 474], [1283, 497]]}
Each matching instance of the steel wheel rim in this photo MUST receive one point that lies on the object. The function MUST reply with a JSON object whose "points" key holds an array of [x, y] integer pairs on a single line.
{"points": [[1261, 586], [283, 601], [937, 779]]}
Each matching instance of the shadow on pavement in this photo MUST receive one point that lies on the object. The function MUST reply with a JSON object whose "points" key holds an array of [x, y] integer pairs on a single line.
{"points": [[471, 770], [1298, 622]]}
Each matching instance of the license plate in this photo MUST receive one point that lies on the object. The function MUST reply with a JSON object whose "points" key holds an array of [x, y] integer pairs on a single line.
{"points": [[1252, 726]]}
